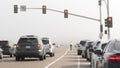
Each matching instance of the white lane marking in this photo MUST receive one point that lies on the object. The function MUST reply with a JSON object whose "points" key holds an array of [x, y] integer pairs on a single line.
{"points": [[78, 66], [57, 59]]}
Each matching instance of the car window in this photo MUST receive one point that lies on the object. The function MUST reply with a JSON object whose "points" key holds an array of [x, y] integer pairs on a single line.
{"points": [[28, 40], [103, 46], [45, 41], [116, 47], [3, 43]]}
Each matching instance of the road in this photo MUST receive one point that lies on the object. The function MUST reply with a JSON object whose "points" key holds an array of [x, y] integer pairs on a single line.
{"points": [[64, 58]]}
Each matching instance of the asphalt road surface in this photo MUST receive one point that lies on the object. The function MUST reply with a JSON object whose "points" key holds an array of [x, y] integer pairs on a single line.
{"points": [[64, 58]]}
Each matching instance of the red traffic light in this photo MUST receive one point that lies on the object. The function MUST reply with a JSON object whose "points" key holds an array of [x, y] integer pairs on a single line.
{"points": [[44, 9], [65, 13], [109, 20]]}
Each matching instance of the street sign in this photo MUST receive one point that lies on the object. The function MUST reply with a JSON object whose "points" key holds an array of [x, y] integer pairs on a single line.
{"points": [[22, 8]]}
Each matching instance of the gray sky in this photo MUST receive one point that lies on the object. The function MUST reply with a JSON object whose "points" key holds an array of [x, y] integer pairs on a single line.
{"points": [[53, 24]]}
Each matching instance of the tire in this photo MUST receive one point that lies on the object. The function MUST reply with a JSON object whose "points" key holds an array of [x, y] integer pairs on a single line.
{"points": [[44, 56], [11, 55], [41, 58], [1, 56], [51, 54], [78, 52], [17, 58], [23, 58]]}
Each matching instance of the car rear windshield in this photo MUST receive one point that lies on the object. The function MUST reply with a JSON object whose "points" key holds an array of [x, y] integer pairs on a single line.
{"points": [[115, 47], [3, 43], [82, 42], [28, 40], [45, 41]]}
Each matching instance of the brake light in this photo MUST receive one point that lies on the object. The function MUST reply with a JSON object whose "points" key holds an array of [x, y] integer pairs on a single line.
{"points": [[38, 45], [115, 58], [50, 46], [7, 45], [95, 47], [17, 46]]}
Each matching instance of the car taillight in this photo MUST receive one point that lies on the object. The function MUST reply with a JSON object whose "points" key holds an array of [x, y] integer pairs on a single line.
{"points": [[95, 47], [50, 46], [7, 45], [38, 45], [115, 58], [17, 46]]}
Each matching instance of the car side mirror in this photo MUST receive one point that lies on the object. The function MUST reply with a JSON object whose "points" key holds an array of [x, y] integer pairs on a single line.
{"points": [[98, 52]]}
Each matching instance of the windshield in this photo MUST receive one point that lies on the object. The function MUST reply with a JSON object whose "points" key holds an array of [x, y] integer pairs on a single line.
{"points": [[28, 40], [45, 41]]}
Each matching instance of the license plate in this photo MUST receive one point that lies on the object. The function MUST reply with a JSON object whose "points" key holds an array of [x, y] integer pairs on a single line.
{"points": [[27, 46]]}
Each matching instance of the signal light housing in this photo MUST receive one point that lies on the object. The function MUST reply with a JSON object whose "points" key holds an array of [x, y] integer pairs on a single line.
{"points": [[65, 13], [15, 8], [44, 9]]}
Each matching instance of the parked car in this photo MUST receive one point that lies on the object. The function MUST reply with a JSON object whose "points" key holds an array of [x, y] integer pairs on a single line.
{"points": [[80, 46], [50, 49], [96, 57], [85, 48], [1, 53], [30, 46], [111, 55], [7, 47], [89, 52]]}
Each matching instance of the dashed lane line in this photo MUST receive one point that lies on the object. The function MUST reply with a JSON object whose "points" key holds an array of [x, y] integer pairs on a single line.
{"points": [[56, 59]]}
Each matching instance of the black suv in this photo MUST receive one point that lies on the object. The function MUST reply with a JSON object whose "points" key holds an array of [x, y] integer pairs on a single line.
{"points": [[7, 47], [30, 46]]}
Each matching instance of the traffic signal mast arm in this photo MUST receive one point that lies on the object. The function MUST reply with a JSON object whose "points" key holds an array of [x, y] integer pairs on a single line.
{"points": [[68, 13]]}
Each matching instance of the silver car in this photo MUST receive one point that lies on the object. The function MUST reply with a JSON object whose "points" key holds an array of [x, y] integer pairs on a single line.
{"points": [[50, 49], [96, 57]]}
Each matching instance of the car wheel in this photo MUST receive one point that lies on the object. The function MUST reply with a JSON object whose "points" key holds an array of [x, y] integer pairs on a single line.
{"points": [[23, 58], [44, 56], [1, 56], [17, 58], [11, 55], [41, 57], [51, 54]]}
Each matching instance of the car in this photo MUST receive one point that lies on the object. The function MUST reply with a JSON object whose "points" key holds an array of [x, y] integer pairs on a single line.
{"points": [[89, 52], [30, 46], [85, 48], [7, 47], [50, 49], [96, 57], [1, 53], [80, 46], [110, 55]]}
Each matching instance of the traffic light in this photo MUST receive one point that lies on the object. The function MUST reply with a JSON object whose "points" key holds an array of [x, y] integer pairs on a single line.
{"points": [[44, 9], [106, 23], [65, 13], [109, 20], [15, 8]]}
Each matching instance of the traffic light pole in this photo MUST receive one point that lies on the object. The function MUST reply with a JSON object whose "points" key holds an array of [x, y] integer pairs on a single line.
{"points": [[101, 26], [108, 16]]}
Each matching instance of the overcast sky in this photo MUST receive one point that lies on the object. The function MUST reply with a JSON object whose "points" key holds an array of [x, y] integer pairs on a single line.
{"points": [[53, 24]]}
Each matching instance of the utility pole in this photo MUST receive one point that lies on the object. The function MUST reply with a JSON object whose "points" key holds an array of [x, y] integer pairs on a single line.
{"points": [[101, 26], [108, 16]]}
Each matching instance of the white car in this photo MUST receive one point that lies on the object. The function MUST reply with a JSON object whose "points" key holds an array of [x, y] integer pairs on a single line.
{"points": [[50, 49], [95, 57]]}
